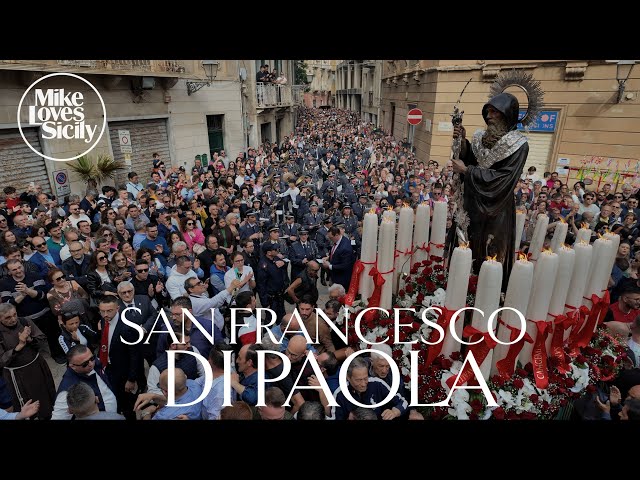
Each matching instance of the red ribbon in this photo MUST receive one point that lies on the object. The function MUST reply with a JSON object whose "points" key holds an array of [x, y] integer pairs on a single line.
{"points": [[480, 352], [350, 297], [561, 322], [378, 281], [539, 354], [443, 320], [437, 245], [507, 366], [424, 247], [600, 304], [578, 317]]}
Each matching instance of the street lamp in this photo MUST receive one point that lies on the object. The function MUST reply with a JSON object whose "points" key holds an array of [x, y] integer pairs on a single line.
{"points": [[623, 71], [210, 68]]}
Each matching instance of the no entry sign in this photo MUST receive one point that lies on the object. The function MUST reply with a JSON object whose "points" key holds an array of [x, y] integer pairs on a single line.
{"points": [[414, 117]]}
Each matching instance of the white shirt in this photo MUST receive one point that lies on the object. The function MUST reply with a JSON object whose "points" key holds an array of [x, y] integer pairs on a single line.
{"points": [[231, 275], [61, 408], [202, 306], [74, 221], [112, 328]]}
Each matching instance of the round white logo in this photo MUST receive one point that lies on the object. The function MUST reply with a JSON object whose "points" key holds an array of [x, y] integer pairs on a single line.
{"points": [[61, 116]]}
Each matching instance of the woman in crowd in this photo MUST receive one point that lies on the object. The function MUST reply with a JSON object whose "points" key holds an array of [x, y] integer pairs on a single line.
{"points": [[240, 271], [63, 291], [119, 268], [99, 282], [121, 233], [190, 233]]}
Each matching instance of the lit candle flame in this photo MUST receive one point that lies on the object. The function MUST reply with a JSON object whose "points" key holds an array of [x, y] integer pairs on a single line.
{"points": [[582, 242], [606, 231], [562, 220], [599, 236], [373, 210], [521, 211], [405, 205], [390, 208], [523, 257], [463, 244], [492, 259], [547, 251]]}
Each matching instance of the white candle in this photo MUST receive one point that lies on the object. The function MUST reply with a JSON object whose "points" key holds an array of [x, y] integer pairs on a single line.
{"points": [[539, 233], [579, 278], [600, 270], [615, 244], [559, 236], [438, 228], [566, 262], [456, 297], [487, 300], [421, 233], [517, 297], [386, 249], [403, 245], [368, 253], [584, 234], [521, 217], [543, 283]]}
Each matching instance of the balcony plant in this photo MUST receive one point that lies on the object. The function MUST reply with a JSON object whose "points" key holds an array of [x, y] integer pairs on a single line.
{"points": [[96, 172]]}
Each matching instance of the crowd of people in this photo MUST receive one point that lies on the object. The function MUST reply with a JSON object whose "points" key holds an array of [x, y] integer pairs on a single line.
{"points": [[258, 229]]}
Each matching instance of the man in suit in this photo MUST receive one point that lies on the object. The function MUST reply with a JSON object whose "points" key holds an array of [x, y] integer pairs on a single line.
{"points": [[122, 363], [340, 259], [44, 258], [146, 317], [76, 266], [324, 245]]}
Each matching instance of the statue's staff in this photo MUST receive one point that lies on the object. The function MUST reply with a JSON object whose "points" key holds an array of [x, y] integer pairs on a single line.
{"points": [[460, 215]]}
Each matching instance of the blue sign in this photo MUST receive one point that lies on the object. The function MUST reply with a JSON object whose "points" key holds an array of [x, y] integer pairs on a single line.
{"points": [[545, 122]]}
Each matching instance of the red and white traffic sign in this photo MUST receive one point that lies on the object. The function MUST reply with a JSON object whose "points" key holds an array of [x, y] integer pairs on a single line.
{"points": [[414, 117]]}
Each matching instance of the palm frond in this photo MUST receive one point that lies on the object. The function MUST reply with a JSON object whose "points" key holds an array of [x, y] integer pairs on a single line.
{"points": [[107, 167], [84, 168]]}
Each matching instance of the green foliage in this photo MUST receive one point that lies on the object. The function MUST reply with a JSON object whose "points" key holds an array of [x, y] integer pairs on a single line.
{"points": [[95, 172]]}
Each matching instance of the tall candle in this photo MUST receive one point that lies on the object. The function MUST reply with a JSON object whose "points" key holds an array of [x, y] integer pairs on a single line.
{"points": [[421, 233], [543, 283], [566, 262], [521, 217], [539, 233], [517, 297], [487, 300], [559, 236], [438, 228], [615, 244], [600, 271], [386, 249], [579, 278], [368, 253], [584, 234], [403, 245], [456, 296]]}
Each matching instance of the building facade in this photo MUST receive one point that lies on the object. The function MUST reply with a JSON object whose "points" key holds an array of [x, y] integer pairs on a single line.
{"points": [[322, 89], [358, 87], [269, 108], [149, 100], [584, 131]]}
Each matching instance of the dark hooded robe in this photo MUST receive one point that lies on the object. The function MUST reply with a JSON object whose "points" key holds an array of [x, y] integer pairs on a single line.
{"points": [[489, 183]]}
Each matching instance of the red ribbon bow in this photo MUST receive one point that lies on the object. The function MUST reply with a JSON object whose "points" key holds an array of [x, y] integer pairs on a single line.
{"points": [[479, 350], [443, 320], [507, 366], [600, 306], [354, 285]]}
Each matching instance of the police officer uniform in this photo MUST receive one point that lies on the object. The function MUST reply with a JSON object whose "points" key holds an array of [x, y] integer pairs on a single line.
{"points": [[299, 251], [280, 244], [359, 208], [271, 282], [289, 230], [250, 227], [350, 221]]}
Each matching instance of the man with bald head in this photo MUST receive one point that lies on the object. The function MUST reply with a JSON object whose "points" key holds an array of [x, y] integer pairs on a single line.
{"points": [[291, 325], [297, 353], [186, 391]]}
